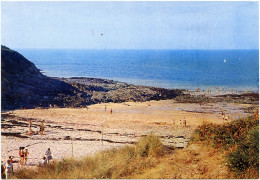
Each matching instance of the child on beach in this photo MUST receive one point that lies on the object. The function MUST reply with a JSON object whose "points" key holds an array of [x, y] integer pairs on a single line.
{"points": [[44, 161], [111, 111]]}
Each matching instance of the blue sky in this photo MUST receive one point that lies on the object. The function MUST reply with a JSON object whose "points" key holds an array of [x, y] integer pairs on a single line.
{"points": [[130, 25]]}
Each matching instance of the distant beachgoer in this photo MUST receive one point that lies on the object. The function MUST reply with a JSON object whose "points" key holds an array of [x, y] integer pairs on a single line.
{"points": [[21, 154], [226, 118], [30, 124], [9, 168], [42, 128], [180, 122], [185, 122], [44, 161], [48, 155], [26, 153], [105, 107], [223, 115], [111, 111]]}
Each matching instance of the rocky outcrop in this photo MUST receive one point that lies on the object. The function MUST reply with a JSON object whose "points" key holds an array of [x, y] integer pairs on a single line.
{"points": [[24, 86], [103, 90]]}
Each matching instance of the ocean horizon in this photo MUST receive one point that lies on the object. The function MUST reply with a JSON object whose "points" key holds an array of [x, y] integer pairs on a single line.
{"points": [[236, 70]]}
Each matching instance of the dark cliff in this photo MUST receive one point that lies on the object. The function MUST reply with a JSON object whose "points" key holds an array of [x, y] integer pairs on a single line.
{"points": [[24, 86]]}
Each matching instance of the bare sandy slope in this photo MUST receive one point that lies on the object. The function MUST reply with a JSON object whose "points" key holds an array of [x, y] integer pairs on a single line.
{"points": [[127, 123]]}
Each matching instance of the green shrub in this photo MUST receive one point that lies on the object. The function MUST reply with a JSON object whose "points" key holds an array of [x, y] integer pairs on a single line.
{"points": [[247, 154], [239, 140], [227, 135]]}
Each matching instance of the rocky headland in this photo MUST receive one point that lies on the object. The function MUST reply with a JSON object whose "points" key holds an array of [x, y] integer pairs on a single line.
{"points": [[24, 86]]}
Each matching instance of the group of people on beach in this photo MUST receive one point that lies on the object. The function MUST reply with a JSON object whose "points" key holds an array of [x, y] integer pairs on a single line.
{"points": [[41, 131], [48, 156], [23, 154], [181, 122], [111, 110], [224, 117], [7, 168]]}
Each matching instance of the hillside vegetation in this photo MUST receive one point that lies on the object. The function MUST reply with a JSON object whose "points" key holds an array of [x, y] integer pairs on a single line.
{"points": [[239, 142], [216, 151]]}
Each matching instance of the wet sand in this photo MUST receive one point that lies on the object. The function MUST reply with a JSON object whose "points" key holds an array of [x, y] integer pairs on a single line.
{"points": [[79, 132]]}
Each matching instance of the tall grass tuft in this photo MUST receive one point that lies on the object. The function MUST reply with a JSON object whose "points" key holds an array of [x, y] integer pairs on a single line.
{"points": [[112, 164], [149, 146]]}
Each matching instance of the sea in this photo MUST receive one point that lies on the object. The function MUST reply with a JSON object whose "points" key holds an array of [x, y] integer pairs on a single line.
{"points": [[183, 69]]}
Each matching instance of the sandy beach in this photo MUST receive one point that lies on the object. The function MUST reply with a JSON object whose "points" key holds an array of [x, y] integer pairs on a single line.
{"points": [[78, 132]]}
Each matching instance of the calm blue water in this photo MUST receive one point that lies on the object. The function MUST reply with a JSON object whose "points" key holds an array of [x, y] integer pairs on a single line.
{"points": [[188, 69]]}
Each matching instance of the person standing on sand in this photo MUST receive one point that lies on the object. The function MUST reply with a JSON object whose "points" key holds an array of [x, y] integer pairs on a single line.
{"points": [[26, 153], [185, 122], [105, 107], [42, 128], [48, 155], [111, 111], [9, 169], [21, 154]]}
